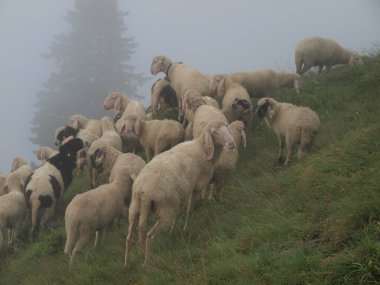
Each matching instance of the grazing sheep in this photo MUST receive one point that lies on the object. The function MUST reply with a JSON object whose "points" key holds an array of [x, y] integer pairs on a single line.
{"points": [[95, 210], [236, 104], [317, 51], [292, 125], [169, 181], [109, 137], [228, 159], [44, 186], [123, 107], [155, 136], [81, 122], [45, 152], [262, 83], [163, 97], [18, 162], [182, 77], [12, 208]]}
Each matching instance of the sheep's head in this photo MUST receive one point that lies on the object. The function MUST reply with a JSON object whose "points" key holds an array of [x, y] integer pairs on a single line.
{"points": [[131, 125], [236, 128], [159, 64], [77, 121], [216, 85], [266, 108], [97, 159], [65, 133], [69, 149], [355, 59], [217, 134], [113, 100]]}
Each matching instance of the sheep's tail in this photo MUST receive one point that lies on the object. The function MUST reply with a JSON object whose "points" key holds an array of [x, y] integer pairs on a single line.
{"points": [[36, 204], [72, 232]]}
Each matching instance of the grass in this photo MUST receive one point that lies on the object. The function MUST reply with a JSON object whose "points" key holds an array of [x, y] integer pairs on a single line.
{"points": [[314, 222]]}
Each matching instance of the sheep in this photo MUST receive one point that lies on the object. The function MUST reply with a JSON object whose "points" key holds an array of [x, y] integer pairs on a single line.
{"points": [[81, 122], [18, 162], [228, 159], [109, 137], [95, 210], [262, 83], [236, 104], [155, 136], [169, 181], [317, 51], [68, 131], [3, 178], [292, 124], [163, 97], [124, 106], [12, 208], [45, 152], [182, 77], [44, 186], [23, 172]]}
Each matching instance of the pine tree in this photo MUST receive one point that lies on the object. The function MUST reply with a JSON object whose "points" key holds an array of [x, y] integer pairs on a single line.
{"points": [[92, 60]]}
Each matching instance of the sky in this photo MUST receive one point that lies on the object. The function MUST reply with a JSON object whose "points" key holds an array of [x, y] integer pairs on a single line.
{"points": [[214, 36]]}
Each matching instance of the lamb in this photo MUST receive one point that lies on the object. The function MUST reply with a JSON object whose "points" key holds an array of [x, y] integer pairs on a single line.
{"points": [[45, 152], [124, 106], [95, 210], [182, 77], [81, 122], [44, 186], [109, 137], [228, 159], [18, 162], [169, 181], [155, 136], [262, 83], [236, 104], [292, 124], [163, 97], [12, 208], [317, 51]]}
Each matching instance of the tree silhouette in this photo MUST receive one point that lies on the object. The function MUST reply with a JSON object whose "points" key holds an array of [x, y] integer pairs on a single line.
{"points": [[92, 60]]}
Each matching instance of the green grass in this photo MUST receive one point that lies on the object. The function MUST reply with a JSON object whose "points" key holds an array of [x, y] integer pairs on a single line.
{"points": [[314, 222]]}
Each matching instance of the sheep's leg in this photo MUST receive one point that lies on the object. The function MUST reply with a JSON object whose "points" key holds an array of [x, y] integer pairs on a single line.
{"points": [[96, 238], [281, 142], [190, 205], [149, 239], [1, 236], [143, 219], [148, 154], [133, 220], [289, 149], [9, 231], [83, 239], [320, 67]]}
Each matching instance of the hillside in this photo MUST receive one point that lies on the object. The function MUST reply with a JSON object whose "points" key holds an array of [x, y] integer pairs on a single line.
{"points": [[314, 222]]}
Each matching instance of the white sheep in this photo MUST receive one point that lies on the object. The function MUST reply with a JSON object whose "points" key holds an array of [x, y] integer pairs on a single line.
{"points": [[63, 133], [163, 97], [124, 106], [236, 104], [262, 83], [95, 210], [292, 125], [18, 162], [45, 152], [169, 180], [317, 51], [12, 208], [109, 137], [182, 77], [228, 159], [155, 136], [81, 122], [46, 184]]}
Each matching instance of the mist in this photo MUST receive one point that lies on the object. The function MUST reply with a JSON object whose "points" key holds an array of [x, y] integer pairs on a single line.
{"points": [[213, 36]]}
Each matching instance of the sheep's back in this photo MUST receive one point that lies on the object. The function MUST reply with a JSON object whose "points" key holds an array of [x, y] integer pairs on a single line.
{"points": [[204, 115]]}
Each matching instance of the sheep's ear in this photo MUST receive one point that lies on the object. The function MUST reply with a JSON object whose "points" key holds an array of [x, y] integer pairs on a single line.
{"points": [[137, 126], [117, 104], [221, 89], [75, 124], [296, 85], [133, 177], [209, 144]]}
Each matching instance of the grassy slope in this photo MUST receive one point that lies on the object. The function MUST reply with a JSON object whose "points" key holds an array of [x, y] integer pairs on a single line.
{"points": [[315, 222]]}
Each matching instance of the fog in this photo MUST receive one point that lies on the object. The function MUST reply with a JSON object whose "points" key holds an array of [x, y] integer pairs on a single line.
{"points": [[213, 36]]}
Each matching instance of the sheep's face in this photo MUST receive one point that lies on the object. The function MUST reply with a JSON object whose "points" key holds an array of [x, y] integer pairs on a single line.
{"points": [[157, 65], [110, 101], [117, 116], [97, 159], [262, 110], [355, 59], [221, 136], [213, 85]]}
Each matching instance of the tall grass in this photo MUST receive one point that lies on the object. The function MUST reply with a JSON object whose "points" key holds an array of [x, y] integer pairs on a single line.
{"points": [[314, 222]]}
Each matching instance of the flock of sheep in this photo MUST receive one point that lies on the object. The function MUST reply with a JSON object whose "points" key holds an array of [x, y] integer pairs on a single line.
{"points": [[182, 157]]}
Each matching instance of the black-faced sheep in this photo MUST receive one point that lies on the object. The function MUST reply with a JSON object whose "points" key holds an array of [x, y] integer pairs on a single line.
{"points": [[292, 125], [317, 51]]}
